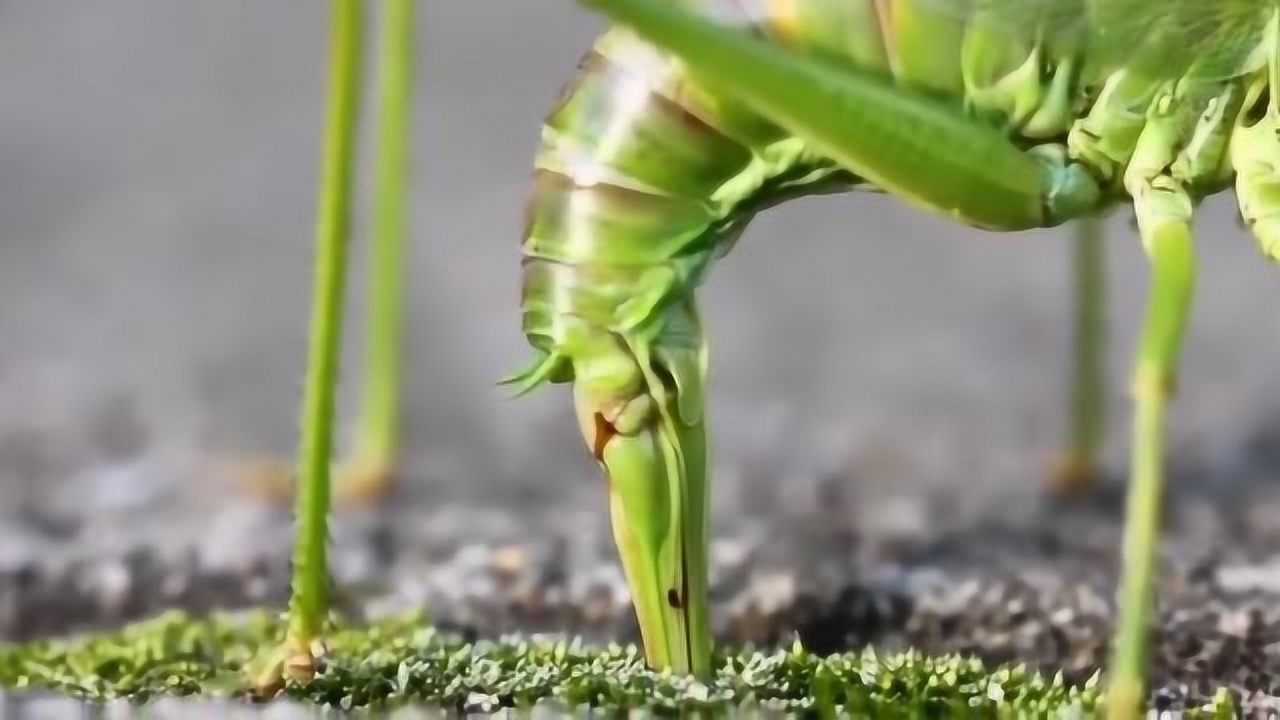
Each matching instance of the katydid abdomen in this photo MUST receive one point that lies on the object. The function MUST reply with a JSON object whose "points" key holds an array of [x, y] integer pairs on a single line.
{"points": [[649, 170], [642, 180]]}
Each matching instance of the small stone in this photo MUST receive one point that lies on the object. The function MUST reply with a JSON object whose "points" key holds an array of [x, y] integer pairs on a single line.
{"points": [[480, 703], [509, 561], [111, 582]]}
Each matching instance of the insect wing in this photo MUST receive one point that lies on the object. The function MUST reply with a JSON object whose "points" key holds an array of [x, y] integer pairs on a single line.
{"points": [[1214, 39], [1210, 39]]}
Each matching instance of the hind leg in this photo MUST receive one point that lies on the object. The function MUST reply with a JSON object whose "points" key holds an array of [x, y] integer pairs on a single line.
{"points": [[368, 473], [1076, 471], [309, 605]]}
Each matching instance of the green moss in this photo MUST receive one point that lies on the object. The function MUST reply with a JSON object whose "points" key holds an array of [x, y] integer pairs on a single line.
{"points": [[405, 661]]}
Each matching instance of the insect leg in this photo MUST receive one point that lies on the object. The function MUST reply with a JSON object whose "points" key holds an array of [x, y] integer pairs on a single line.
{"points": [[1164, 211], [922, 150], [1077, 470], [309, 603], [369, 473]]}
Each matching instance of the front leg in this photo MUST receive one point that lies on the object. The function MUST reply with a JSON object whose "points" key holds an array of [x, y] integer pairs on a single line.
{"points": [[1164, 210]]}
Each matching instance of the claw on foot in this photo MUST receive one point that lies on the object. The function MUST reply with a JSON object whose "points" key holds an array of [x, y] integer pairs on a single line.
{"points": [[304, 660], [1072, 477], [294, 661], [365, 482], [358, 483]]}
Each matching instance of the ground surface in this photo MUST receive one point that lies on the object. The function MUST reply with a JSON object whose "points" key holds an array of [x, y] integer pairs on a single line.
{"points": [[887, 387], [403, 662]]}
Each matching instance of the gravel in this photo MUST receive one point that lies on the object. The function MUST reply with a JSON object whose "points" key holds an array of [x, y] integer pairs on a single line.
{"points": [[1033, 587]]}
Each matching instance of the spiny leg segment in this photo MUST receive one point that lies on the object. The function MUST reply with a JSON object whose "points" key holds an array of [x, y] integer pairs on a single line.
{"points": [[377, 443], [310, 602]]}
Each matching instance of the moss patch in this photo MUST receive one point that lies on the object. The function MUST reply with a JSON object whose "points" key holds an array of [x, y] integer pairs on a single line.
{"points": [[405, 661]]}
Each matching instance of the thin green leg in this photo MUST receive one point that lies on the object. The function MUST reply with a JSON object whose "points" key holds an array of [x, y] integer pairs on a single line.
{"points": [[1173, 279], [370, 472], [1078, 468], [310, 600], [309, 604]]}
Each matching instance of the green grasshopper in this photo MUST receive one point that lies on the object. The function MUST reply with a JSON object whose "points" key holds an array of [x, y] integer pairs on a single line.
{"points": [[691, 116]]}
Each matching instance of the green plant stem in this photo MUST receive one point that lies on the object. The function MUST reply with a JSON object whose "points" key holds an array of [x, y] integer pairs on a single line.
{"points": [[310, 601], [1169, 302], [1088, 383], [378, 442]]}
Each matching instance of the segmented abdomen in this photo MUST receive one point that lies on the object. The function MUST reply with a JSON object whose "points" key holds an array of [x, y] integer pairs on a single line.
{"points": [[627, 204], [643, 176]]}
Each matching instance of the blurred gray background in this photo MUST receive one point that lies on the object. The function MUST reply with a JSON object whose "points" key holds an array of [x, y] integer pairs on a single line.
{"points": [[157, 180]]}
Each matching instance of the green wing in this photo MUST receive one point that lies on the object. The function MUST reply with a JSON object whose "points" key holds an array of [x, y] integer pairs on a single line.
{"points": [[1216, 39], [1164, 38]]}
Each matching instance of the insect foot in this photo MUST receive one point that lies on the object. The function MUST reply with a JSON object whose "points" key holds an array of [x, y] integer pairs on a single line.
{"points": [[1073, 476], [364, 481], [359, 481], [639, 402], [293, 661]]}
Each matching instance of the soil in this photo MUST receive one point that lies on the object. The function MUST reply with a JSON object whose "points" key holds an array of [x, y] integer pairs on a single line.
{"points": [[1034, 588]]}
